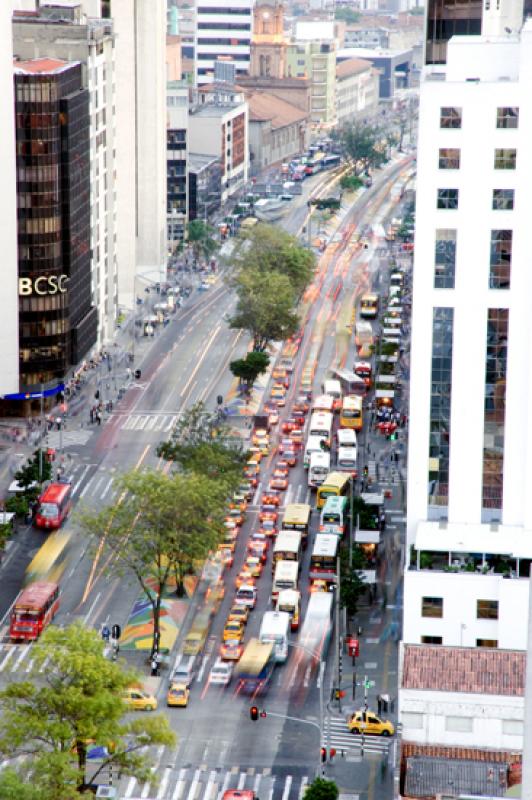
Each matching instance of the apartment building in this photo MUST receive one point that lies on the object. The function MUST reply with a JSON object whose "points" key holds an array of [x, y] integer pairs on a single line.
{"points": [[222, 31]]}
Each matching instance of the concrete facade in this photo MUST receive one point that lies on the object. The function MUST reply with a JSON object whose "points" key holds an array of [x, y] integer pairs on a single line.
{"points": [[357, 89], [213, 40], [315, 61], [9, 374], [277, 130]]}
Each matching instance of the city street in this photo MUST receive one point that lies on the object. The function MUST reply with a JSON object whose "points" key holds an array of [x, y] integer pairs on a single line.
{"points": [[218, 745]]}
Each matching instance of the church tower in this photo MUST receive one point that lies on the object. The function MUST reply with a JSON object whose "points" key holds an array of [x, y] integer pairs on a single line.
{"points": [[268, 45]]}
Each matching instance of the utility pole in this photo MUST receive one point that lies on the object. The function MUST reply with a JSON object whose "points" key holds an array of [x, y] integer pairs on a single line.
{"points": [[42, 434], [338, 636]]}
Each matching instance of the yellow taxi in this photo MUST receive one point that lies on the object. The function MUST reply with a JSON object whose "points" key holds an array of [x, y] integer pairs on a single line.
{"points": [[370, 723], [254, 565], [278, 394], [239, 613], [178, 695], [234, 629], [263, 445], [255, 452], [138, 700], [243, 577], [258, 434]]}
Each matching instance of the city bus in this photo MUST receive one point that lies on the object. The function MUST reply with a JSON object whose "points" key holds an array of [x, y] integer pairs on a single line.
{"points": [[285, 576], [54, 505], [297, 518], [51, 559], [321, 424], [255, 668], [336, 484], [274, 628], [351, 412], [319, 468], [334, 515], [333, 388], [318, 625], [33, 610], [287, 547], [324, 553], [324, 402], [307, 380], [369, 306]]}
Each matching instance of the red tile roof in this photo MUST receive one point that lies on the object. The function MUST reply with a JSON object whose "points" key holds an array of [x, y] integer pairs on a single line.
{"points": [[264, 106], [39, 65], [352, 66], [474, 670]]}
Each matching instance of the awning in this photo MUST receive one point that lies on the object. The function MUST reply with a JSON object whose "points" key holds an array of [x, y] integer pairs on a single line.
{"points": [[368, 537]]}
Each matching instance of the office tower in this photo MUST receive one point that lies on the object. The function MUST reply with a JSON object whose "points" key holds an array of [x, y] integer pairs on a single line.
{"points": [[176, 162], [222, 31], [470, 445], [8, 212]]}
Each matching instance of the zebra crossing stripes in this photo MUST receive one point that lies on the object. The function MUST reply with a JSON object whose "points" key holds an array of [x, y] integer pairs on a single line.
{"points": [[339, 737], [210, 783], [151, 421]]}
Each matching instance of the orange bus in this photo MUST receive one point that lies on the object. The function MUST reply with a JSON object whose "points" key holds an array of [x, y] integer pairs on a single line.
{"points": [[54, 505], [33, 610]]}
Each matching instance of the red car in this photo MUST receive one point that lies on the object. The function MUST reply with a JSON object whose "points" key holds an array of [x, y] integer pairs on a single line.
{"points": [[301, 406], [270, 500], [231, 650], [285, 444], [259, 550], [264, 516], [282, 464], [289, 425]]}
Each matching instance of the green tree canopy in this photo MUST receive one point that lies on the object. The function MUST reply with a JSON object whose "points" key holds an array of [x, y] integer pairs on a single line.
{"points": [[266, 248], [347, 14], [163, 530], [321, 789], [72, 698], [248, 369], [352, 586], [265, 307], [30, 472], [363, 144], [200, 236], [200, 442], [350, 183]]}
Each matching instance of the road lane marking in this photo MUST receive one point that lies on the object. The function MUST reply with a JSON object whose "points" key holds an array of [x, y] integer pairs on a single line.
{"points": [[241, 781], [6, 659], [180, 785], [304, 782], [194, 785], [319, 679], [91, 609], [80, 481], [130, 787], [210, 340], [20, 659], [287, 787], [202, 669], [109, 484], [210, 786], [256, 785], [224, 784]]}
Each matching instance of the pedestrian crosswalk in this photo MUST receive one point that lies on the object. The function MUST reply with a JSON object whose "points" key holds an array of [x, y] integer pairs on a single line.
{"points": [[207, 783], [163, 422], [64, 439], [16, 658], [337, 735]]}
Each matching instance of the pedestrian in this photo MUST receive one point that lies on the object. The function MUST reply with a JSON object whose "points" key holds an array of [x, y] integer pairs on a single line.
{"points": [[98, 418], [91, 412], [379, 705], [106, 633], [154, 666]]}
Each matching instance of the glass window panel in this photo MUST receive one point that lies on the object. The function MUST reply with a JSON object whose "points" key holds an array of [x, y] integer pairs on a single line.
{"points": [[449, 158], [508, 117], [450, 117], [503, 199], [440, 407], [494, 411], [505, 158], [444, 258], [500, 258], [447, 198]]}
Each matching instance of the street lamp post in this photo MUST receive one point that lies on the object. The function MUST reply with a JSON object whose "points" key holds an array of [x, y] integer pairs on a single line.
{"points": [[321, 674]]}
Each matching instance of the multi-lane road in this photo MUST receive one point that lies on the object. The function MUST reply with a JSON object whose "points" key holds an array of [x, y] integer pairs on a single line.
{"points": [[218, 746]]}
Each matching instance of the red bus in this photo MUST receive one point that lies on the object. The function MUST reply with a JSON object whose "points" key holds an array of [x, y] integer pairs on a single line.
{"points": [[33, 610], [54, 505]]}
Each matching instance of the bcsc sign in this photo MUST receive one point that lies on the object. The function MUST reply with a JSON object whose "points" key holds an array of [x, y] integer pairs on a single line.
{"points": [[44, 285]]}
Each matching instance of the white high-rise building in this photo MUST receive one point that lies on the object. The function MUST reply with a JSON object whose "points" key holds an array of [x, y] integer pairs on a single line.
{"points": [[222, 31], [8, 212], [469, 518]]}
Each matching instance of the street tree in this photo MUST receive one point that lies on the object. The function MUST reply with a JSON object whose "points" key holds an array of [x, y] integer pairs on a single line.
{"points": [[350, 183], [352, 585], [202, 443], [72, 699], [248, 369], [37, 469], [364, 145], [347, 14], [321, 789], [165, 526], [266, 248], [265, 307], [200, 236]]}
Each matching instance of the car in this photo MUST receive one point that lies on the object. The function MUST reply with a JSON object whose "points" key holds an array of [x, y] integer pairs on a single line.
{"points": [[281, 469], [319, 585], [288, 425], [247, 490], [269, 500], [239, 501], [258, 434], [204, 286], [301, 406], [254, 565], [259, 537], [370, 723], [221, 673], [280, 375], [177, 695], [227, 554], [236, 515], [278, 483], [263, 445], [252, 478], [254, 462], [244, 576], [283, 464], [231, 535], [269, 515], [256, 452], [285, 444], [296, 436], [278, 394], [240, 613], [231, 650], [268, 527], [258, 550], [234, 629], [290, 456], [246, 595], [139, 700]]}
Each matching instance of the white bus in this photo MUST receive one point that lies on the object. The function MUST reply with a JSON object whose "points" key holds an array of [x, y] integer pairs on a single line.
{"points": [[319, 468], [274, 628], [347, 437], [324, 402], [347, 458], [333, 388], [312, 446], [286, 576], [324, 554], [321, 423], [287, 547]]}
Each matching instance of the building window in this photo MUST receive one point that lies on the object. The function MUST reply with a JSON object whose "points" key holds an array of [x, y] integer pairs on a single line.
{"points": [[494, 412], [449, 158], [450, 117], [487, 609], [512, 727], [444, 258], [487, 643], [505, 158], [500, 258], [432, 607], [448, 198], [431, 640], [508, 117], [412, 719], [459, 724], [440, 406], [503, 199]]}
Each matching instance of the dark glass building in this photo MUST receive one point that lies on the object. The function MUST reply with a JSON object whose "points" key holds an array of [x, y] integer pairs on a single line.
{"points": [[57, 319]]}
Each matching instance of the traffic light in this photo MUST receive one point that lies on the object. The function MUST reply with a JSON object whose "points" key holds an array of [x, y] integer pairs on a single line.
{"points": [[366, 471], [97, 394], [137, 374], [393, 436], [116, 631], [254, 713], [323, 752]]}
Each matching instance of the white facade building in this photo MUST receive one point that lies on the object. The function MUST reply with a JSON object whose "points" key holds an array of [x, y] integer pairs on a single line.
{"points": [[469, 523], [9, 382], [222, 32]]}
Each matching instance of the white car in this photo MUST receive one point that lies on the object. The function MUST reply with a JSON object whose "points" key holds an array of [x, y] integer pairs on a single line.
{"points": [[221, 672]]}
